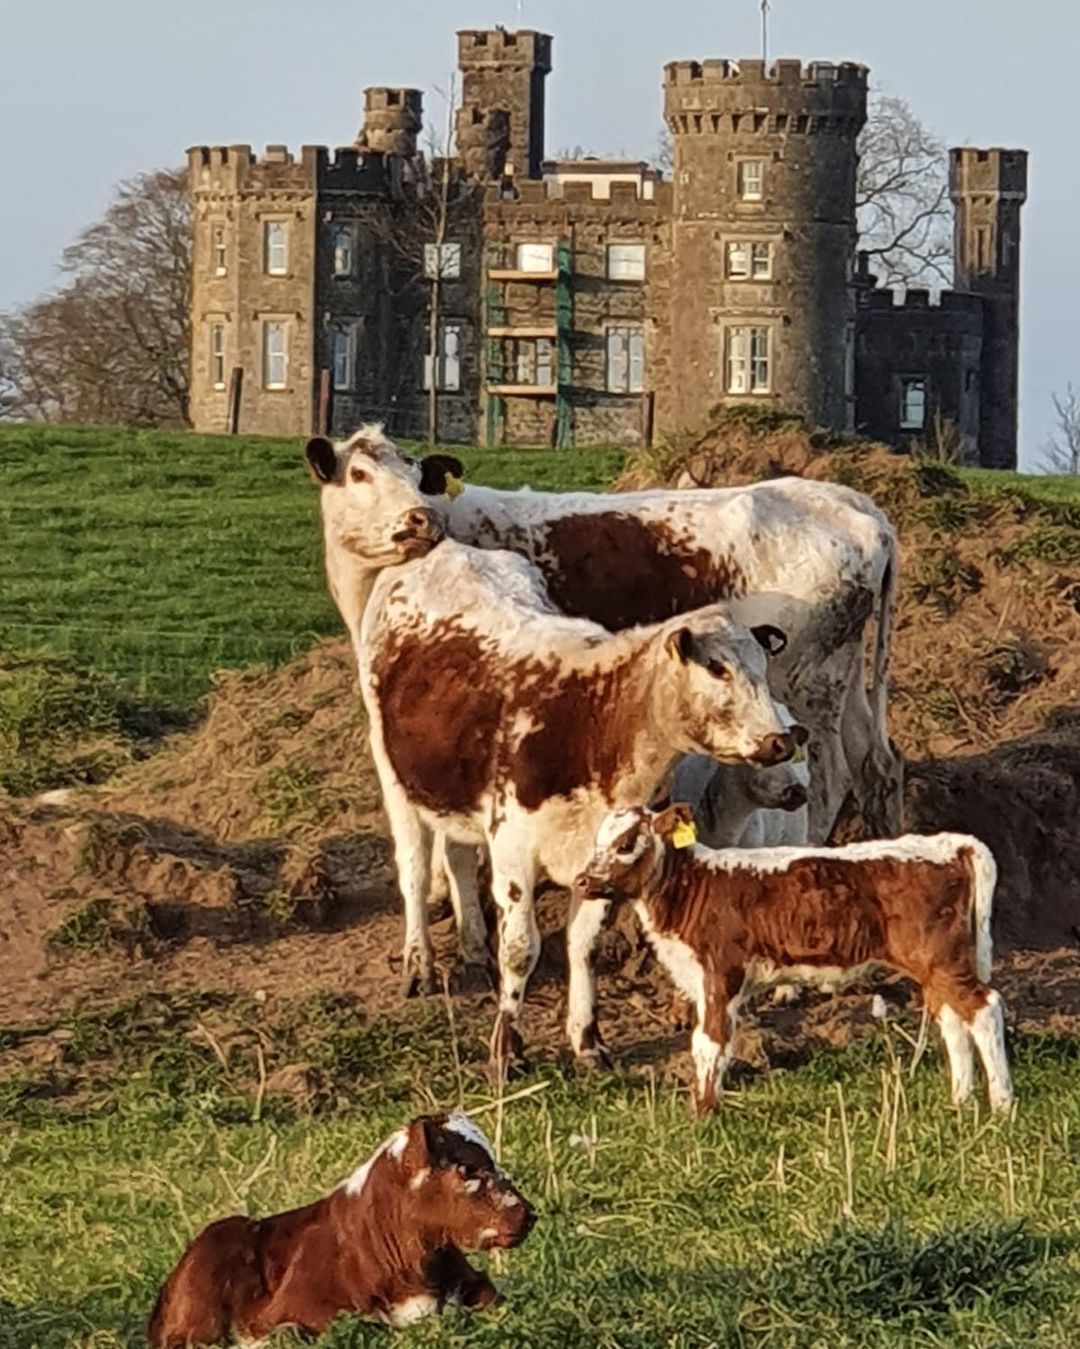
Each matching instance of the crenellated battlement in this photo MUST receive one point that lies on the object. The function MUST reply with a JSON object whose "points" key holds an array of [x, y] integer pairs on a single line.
{"points": [[736, 97], [524, 48], [916, 300], [233, 169], [998, 172], [613, 196]]}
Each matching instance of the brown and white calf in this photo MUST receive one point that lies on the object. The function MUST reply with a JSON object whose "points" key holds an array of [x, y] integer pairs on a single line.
{"points": [[497, 720], [387, 1243], [814, 559], [723, 922]]}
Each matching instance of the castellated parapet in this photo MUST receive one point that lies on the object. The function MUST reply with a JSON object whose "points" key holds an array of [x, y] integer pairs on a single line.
{"points": [[393, 118]]}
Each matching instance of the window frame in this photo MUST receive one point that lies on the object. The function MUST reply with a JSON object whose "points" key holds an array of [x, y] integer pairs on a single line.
{"points": [[742, 176], [908, 383], [624, 359], [443, 261], [217, 353], [219, 256], [268, 355], [445, 361], [521, 256], [629, 272], [748, 349], [348, 234], [269, 248], [348, 332]]}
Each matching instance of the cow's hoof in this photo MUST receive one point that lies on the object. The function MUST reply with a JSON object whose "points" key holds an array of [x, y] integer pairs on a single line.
{"points": [[418, 983], [596, 1059], [682, 1013], [472, 976], [507, 1050]]}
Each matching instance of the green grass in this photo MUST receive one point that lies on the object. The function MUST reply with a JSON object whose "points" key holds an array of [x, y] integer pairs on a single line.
{"points": [[840, 1204], [161, 557]]}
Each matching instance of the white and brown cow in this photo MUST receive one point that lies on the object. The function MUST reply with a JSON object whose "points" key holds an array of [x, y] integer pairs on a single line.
{"points": [[723, 922], [814, 559], [497, 720]]}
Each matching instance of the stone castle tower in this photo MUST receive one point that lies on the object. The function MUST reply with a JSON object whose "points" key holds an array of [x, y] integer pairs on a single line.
{"points": [[763, 233], [592, 300], [988, 188]]}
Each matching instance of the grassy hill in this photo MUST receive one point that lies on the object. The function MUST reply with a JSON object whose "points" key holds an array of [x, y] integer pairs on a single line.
{"points": [[161, 557]]}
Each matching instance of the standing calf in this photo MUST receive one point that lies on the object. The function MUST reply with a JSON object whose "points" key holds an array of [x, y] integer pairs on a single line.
{"points": [[722, 922], [387, 1243]]}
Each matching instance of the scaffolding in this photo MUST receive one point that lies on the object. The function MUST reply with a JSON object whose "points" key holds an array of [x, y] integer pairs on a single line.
{"points": [[499, 387]]}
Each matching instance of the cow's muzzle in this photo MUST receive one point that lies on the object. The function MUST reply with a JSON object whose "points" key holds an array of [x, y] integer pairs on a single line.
{"points": [[794, 797], [589, 887], [420, 531], [774, 749]]}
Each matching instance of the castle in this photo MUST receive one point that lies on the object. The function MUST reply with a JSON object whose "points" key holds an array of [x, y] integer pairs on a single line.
{"points": [[522, 300]]}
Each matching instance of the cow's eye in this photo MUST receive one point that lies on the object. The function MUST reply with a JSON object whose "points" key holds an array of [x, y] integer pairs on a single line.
{"points": [[359, 474], [718, 669], [626, 848]]}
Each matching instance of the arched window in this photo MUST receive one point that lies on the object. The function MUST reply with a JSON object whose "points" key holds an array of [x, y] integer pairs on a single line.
{"points": [[343, 251]]}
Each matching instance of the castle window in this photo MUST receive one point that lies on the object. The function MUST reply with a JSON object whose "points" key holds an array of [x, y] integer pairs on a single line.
{"points": [[343, 352], [275, 249], [442, 260], [536, 257], [747, 360], [217, 353], [625, 360], [746, 260], [913, 404], [448, 360], [626, 262], [533, 362], [275, 354], [343, 252], [751, 179], [217, 249]]}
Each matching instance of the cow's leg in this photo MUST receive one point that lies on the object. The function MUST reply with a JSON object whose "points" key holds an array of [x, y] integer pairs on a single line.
{"points": [[462, 871], [412, 854], [958, 1048], [816, 701], [512, 883], [587, 917], [874, 768], [987, 1029], [440, 873], [714, 1035]]}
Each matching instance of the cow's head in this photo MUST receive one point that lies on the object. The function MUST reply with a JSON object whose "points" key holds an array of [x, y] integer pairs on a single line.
{"points": [[629, 854], [457, 1187], [372, 500], [715, 696]]}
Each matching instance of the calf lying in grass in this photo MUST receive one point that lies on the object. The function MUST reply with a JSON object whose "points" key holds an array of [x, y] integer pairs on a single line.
{"points": [[723, 922], [387, 1243]]}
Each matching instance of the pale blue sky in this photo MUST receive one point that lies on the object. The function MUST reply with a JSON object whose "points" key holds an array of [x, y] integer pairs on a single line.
{"points": [[95, 90]]}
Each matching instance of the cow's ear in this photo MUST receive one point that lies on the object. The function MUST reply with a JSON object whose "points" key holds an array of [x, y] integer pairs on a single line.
{"points": [[665, 822], [322, 459], [772, 639], [680, 645], [434, 471]]}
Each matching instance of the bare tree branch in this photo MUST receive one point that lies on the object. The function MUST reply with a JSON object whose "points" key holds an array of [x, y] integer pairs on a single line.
{"points": [[111, 344], [1061, 453], [902, 197]]}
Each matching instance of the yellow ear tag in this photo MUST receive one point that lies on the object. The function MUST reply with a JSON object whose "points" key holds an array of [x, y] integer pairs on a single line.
{"points": [[454, 486], [684, 835], [800, 755]]}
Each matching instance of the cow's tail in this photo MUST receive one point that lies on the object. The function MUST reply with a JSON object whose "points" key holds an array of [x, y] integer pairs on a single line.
{"points": [[983, 879]]}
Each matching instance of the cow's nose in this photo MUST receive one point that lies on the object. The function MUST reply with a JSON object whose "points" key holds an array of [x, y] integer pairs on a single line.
{"points": [[423, 521], [775, 748], [585, 886], [795, 797]]}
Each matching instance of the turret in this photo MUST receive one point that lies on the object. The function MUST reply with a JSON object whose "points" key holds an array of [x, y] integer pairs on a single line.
{"points": [[500, 124], [393, 118]]}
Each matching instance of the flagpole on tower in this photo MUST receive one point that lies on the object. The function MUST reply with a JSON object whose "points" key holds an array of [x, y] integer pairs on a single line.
{"points": [[765, 31]]}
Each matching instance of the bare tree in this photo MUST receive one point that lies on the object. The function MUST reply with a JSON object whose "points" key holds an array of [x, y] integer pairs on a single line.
{"points": [[111, 343], [1061, 453], [902, 197]]}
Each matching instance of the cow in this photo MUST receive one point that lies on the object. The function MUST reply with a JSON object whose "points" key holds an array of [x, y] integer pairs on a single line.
{"points": [[374, 516], [743, 806], [724, 921], [814, 559], [386, 1243], [497, 720]]}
